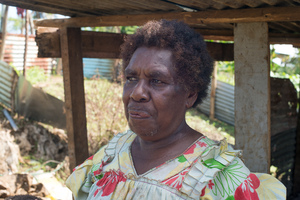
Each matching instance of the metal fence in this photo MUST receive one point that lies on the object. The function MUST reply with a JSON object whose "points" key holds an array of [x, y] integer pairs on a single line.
{"points": [[224, 103], [8, 79], [14, 53], [102, 68]]}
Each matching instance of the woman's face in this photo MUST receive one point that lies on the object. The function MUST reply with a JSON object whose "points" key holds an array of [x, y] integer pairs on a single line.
{"points": [[155, 104]]}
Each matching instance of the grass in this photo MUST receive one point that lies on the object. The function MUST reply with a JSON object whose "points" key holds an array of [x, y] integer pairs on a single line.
{"points": [[105, 112]]}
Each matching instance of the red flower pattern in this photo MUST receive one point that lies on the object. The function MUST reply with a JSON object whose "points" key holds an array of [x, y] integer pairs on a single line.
{"points": [[190, 150], [91, 157], [176, 181], [203, 192], [99, 170], [202, 144], [246, 191], [109, 182], [210, 184]]}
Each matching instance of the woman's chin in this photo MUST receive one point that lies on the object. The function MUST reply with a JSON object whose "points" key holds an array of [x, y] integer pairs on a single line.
{"points": [[144, 132]]}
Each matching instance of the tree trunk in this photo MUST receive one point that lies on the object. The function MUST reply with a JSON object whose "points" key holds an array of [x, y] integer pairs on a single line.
{"points": [[31, 23], [26, 43], [4, 22]]}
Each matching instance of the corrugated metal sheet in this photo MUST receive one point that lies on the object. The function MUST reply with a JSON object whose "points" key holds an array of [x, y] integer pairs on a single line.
{"points": [[283, 151], [121, 7], [14, 53], [95, 67], [224, 103], [8, 80]]}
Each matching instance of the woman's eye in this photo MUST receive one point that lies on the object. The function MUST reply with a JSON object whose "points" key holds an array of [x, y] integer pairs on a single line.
{"points": [[131, 79], [156, 81]]}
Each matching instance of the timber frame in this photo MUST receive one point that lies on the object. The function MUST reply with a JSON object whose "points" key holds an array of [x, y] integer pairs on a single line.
{"points": [[250, 24]]}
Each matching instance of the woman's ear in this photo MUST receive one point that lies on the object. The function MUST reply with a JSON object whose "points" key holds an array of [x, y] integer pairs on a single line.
{"points": [[192, 97]]}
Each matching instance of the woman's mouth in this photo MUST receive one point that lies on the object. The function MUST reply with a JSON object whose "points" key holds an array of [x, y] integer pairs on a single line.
{"points": [[138, 114]]}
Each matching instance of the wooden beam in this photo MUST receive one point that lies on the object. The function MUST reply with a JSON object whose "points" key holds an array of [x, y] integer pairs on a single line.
{"points": [[227, 35], [220, 51], [107, 45], [93, 44], [252, 94], [281, 38], [191, 18], [70, 40]]}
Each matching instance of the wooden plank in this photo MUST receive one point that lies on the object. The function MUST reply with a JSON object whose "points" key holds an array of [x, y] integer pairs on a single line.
{"points": [[44, 8], [220, 51], [213, 92], [227, 35], [279, 38], [93, 44], [252, 94], [191, 18], [26, 42], [107, 45], [74, 95]]}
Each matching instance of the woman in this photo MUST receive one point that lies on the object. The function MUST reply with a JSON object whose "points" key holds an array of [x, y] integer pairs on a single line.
{"points": [[167, 71]]}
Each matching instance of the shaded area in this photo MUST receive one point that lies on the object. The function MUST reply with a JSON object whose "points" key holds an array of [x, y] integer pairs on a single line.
{"points": [[283, 130], [37, 105]]}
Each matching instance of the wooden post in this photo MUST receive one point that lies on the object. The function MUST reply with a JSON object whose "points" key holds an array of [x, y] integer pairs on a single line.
{"points": [[4, 22], [252, 94], [26, 42], [213, 92], [71, 53]]}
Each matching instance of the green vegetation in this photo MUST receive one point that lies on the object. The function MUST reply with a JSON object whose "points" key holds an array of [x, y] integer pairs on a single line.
{"points": [[35, 75], [290, 69], [113, 29], [226, 72]]}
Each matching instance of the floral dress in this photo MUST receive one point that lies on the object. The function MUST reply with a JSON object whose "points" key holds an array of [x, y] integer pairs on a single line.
{"points": [[206, 170]]}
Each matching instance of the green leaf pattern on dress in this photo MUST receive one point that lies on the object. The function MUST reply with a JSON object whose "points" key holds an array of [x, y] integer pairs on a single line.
{"points": [[181, 159], [229, 179], [212, 163]]}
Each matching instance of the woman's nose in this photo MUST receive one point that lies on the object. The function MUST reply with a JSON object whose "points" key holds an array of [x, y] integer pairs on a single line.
{"points": [[140, 92]]}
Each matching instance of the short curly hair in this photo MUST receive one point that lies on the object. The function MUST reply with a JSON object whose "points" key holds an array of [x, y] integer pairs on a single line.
{"points": [[193, 64]]}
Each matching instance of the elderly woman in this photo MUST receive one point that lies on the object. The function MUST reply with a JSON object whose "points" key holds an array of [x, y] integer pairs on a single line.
{"points": [[167, 70]]}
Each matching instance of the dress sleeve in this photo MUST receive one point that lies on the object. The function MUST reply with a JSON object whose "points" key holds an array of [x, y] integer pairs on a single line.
{"points": [[80, 181], [270, 187], [224, 176]]}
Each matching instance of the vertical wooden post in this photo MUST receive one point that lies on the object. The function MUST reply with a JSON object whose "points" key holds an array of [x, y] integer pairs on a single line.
{"points": [[26, 42], [252, 94], [4, 22], [71, 53], [213, 92]]}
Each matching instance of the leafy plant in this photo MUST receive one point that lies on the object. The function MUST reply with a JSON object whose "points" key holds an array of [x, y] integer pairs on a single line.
{"points": [[35, 75]]}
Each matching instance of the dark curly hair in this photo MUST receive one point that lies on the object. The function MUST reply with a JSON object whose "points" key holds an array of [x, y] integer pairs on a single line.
{"points": [[193, 64]]}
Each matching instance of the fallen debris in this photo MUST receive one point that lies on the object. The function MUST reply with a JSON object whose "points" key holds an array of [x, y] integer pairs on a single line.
{"points": [[22, 184]]}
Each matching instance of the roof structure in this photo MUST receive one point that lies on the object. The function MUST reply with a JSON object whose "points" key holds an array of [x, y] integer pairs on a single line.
{"points": [[214, 19]]}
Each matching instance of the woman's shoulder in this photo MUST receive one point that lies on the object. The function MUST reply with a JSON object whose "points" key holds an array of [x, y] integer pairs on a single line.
{"points": [[221, 174], [83, 174]]}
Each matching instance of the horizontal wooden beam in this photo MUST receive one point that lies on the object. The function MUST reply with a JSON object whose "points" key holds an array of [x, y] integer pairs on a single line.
{"points": [[94, 44], [107, 45], [227, 35], [192, 18]]}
